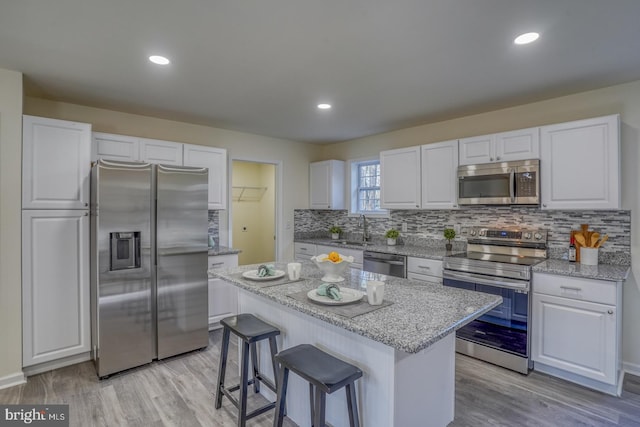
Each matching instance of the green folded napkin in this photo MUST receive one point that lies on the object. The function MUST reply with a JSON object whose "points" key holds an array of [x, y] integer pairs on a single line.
{"points": [[329, 290], [266, 270]]}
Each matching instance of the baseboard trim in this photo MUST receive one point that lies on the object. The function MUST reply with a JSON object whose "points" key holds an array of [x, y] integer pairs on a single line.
{"points": [[12, 380], [55, 364], [631, 368]]}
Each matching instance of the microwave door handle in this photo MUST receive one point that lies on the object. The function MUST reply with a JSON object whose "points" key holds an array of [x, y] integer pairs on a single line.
{"points": [[512, 181]]}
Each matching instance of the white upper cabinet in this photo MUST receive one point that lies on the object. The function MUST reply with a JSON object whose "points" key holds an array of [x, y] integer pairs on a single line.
{"points": [[115, 147], [400, 178], [216, 160], [162, 152], [439, 175], [326, 185], [580, 164], [56, 164], [522, 144]]}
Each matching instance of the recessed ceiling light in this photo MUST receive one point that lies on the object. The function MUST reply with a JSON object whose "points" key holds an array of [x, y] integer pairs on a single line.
{"points": [[160, 60], [526, 38], [324, 106]]}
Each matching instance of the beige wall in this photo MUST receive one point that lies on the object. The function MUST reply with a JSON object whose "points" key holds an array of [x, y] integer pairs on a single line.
{"points": [[10, 236], [255, 214], [293, 157], [623, 99]]}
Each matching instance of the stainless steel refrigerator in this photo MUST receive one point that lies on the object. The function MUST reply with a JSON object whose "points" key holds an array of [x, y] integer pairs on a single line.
{"points": [[149, 244]]}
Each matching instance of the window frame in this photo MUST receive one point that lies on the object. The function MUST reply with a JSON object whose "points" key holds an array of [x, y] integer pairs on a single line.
{"points": [[353, 187]]}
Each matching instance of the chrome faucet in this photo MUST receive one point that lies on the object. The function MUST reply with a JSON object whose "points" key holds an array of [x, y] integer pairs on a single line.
{"points": [[363, 223]]}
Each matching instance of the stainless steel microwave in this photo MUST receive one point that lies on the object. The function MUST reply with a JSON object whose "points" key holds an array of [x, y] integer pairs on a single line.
{"points": [[504, 183]]}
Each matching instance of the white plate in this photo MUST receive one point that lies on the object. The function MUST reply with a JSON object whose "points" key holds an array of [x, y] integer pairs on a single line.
{"points": [[348, 296], [253, 275]]}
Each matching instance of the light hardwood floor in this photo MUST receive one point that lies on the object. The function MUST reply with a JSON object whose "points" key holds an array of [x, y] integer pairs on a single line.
{"points": [[179, 392]]}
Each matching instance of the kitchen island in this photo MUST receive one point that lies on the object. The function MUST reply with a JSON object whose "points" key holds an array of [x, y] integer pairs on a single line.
{"points": [[405, 349]]}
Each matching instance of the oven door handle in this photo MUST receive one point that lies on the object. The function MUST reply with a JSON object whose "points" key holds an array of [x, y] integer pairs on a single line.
{"points": [[498, 282]]}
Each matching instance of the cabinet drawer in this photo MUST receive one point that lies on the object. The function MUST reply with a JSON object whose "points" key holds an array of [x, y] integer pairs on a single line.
{"points": [[424, 277], [304, 248], [599, 291], [431, 267], [223, 261]]}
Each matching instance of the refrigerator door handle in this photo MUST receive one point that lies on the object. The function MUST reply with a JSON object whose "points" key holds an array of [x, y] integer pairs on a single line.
{"points": [[167, 168]]}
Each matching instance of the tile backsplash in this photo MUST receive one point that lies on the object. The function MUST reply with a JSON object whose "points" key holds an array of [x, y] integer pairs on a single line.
{"points": [[426, 226], [214, 226]]}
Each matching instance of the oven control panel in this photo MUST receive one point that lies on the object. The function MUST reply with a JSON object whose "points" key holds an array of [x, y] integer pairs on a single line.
{"points": [[505, 235]]}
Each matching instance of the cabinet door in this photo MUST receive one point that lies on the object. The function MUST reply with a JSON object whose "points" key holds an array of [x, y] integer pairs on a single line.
{"points": [[476, 150], [55, 164], [160, 152], [115, 147], [440, 175], [326, 185], [520, 144], [55, 285], [216, 160], [400, 178], [580, 165], [223, 296], [575, 336]]}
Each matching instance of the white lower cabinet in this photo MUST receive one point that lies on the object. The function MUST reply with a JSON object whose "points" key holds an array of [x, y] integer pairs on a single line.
{"points": [[303, 251], [426, 270], [576, 331], [223, 296], [55, 285]]}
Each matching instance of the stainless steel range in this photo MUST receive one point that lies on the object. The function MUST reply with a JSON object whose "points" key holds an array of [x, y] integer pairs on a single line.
{"points": [[498, 261]]}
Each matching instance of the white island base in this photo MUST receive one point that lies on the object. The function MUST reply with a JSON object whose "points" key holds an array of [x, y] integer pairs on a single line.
{"points": [[397, 389]]}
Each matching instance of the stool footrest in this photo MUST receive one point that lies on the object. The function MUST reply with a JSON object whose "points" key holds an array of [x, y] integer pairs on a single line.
{"points": [[265, 381], [236, 403]]}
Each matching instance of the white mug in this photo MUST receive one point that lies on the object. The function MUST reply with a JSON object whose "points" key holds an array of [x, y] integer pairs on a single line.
{"points": [[375, 292], [293, 269]]}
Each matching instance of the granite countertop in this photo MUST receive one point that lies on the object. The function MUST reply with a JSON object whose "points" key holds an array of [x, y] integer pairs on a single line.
{"points": [[421, 313], [437, 253], [615, 273], [223, 250]]}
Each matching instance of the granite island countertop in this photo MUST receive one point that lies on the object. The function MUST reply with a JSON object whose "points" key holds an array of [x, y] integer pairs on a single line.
{"points": [[420, 315], [437, 253], [614, 273]]}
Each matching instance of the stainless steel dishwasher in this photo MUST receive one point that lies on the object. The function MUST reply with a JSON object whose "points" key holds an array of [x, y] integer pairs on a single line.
{"points": [[391, 265]]}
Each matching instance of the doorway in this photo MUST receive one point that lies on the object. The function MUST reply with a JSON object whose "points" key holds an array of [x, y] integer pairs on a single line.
{"points": [[253, 212]]}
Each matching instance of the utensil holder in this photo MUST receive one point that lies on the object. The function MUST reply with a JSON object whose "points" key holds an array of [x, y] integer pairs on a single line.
{"points": [[589, 256]]}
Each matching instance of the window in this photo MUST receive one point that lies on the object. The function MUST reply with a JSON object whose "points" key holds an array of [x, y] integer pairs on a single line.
{"points": [[365, 187]]}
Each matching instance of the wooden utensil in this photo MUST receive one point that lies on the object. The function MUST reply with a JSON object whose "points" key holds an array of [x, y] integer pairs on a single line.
{"points": [[580, 239], [604, 239], [594, 239]]}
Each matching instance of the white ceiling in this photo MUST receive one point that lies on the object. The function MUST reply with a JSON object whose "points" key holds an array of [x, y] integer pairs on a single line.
{"points": [[261, 66]]}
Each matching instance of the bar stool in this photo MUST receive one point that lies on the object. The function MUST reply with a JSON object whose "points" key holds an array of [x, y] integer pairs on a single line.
{"points": [[251, 330], [325, 375]]}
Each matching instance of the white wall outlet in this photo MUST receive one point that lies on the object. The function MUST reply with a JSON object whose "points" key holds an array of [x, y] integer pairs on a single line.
{"points": [[404, 227]]}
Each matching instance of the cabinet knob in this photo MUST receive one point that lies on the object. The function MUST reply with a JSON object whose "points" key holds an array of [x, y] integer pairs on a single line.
{"points": [[610, 311], [86, 214], [329, 207], [417, 206], [491, 158], [86, 204], [498, 158], [544, 205]]}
